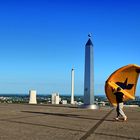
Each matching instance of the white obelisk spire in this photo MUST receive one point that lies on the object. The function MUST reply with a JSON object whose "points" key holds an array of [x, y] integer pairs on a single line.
{"points": [[72, 86]]}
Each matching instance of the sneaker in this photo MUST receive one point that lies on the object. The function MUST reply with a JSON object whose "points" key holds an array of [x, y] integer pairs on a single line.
{"points": [[116, 118], [125, 118]]}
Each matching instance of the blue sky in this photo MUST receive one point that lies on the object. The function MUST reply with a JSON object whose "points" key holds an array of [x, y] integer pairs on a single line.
{"points": [[40, 42]]}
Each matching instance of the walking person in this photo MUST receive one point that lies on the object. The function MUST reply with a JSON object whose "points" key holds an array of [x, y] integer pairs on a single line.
{"points": [[119, 99]]}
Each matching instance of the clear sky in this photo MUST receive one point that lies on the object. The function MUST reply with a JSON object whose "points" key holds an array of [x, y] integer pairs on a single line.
{"points": [[41, 40]]}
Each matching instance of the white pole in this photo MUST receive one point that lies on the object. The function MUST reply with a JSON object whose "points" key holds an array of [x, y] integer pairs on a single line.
{"points": [[72, 86]]}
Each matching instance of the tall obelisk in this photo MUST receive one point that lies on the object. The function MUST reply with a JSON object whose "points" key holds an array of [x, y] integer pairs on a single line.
{"points": [[89, 75]]}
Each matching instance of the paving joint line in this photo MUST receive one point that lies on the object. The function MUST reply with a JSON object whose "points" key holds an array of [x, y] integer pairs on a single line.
{"points": [[92, 130]]}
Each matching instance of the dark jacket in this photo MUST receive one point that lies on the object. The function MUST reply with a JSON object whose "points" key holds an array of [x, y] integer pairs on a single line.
{"points": [[119, 97]]}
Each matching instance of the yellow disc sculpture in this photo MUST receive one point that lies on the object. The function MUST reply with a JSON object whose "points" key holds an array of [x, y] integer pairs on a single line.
{"points": [[126, 78]]}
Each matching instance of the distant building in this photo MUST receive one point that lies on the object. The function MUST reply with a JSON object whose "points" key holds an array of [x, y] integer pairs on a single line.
{"points": [[64, 102], [55, 98], [102, 103], [32, 97]]}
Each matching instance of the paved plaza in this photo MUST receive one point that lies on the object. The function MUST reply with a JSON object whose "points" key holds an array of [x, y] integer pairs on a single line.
{"points": [[52, 122]]}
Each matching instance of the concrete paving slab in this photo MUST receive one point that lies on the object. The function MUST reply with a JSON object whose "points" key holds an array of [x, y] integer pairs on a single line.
{"points": [[52, 122]]}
